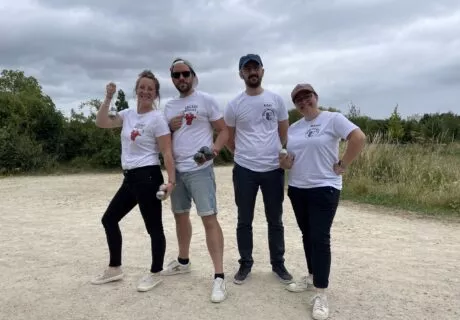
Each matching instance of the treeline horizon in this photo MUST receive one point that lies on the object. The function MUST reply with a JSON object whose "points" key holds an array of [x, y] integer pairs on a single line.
{"points": [[36, 136]]}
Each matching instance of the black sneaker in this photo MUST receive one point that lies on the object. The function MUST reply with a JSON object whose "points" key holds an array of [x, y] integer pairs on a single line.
{"points": [[241, 275], [282, 273]]}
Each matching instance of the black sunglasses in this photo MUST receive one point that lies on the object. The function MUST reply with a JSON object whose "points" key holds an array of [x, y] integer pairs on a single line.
{"points": [[185, 74]]}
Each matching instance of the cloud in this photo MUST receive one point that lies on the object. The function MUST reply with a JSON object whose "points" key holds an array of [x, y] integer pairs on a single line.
{"points": [[376, 53]]}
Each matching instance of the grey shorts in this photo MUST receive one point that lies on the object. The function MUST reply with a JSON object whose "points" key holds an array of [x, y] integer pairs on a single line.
{"points": [[199, 186]]}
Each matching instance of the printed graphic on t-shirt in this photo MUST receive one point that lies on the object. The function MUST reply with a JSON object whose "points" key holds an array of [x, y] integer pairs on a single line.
{"points": [[190, 113], [269, 113], [313, 131], [137, 131]]}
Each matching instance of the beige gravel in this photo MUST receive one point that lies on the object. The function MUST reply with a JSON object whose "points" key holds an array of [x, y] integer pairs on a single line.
{"points": [[385, 266]]}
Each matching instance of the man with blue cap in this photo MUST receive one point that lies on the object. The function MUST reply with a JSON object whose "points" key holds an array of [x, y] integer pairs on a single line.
{"points": [[257, 120]]}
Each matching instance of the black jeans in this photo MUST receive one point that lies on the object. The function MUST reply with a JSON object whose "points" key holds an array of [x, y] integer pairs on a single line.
{"points": [[314, 210], [139, 187], [246, 184]]}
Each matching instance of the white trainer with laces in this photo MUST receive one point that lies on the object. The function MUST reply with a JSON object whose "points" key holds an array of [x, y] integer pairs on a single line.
{"points": [[109, 275], [320, 307], [174, 267], [302, 285], [219, 290], [149, 281]]}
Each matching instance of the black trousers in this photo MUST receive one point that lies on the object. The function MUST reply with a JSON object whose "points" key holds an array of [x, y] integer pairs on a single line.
{"points": [[314, 210], [139, 187], [246, 185]]}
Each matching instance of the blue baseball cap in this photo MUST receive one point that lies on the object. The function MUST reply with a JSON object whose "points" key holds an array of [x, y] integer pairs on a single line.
{"points": [[250, 57]]}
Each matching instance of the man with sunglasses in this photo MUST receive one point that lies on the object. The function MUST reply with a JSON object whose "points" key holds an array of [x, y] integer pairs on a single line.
{"points": [[257, 120], [193, 116]]}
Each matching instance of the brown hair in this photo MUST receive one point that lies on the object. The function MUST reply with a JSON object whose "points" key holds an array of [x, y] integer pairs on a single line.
{"points": [[149, 74]]}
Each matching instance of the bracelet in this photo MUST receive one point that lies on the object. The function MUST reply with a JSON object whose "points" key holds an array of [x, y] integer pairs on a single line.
{"points": [[173, 183]]}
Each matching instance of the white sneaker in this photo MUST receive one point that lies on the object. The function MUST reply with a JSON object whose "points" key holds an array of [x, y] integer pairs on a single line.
{"points": [[320, 307], [302, 285], [174, 267], [149, 281], [109, 275], [219, 290]]}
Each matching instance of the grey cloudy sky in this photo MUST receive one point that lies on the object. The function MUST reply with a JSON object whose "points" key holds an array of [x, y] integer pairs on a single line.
{"points": [[374, 53]]}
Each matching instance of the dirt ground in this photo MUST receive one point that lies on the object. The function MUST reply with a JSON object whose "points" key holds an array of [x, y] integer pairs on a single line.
{"points": [[385, 265]]}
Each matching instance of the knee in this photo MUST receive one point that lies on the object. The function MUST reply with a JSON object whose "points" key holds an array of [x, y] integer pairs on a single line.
{"points": [[210, 222], [275, 220], [107, 222], [319, 239], [182, 219], [155, 230]]}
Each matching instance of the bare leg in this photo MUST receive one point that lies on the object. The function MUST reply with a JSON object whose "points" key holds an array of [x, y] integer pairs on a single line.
{"points": [[184, 234], [215, 242]]}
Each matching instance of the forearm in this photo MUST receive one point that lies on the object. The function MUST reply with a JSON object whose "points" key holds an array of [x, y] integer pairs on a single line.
{"points": [[170, 167], [230, 145], [221, 140], [283, 138], [354, 146], [102, 115]]}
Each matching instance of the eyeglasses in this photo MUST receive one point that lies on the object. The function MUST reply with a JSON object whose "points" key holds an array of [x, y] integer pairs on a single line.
{"points": [[185, 74], [307, 96]]}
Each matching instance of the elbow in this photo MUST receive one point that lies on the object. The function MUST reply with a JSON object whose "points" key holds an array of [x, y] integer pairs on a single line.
{"points": [[100, 123]]}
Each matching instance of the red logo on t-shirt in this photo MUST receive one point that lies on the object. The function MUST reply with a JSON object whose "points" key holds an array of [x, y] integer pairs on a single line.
{"points": [[134, 134], [189, 118]]}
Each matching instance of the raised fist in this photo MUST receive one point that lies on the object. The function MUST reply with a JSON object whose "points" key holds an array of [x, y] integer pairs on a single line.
{"points": [[111, 88]]}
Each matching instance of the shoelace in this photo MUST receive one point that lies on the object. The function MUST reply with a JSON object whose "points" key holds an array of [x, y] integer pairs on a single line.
{"points": [[217, 285], [319, 304]]}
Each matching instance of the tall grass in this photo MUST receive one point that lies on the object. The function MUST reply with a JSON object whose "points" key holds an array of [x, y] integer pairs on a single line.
{"points": [[414, 176]]}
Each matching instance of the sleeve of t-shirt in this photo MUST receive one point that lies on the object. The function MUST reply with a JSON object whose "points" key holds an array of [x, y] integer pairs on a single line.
{"points": [[122, 113], [282, 110], [229, 115], [166, 112], [161, 127], [214, 112], [343, 126]]}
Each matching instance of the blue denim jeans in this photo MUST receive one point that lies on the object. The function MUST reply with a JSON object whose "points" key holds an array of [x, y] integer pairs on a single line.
{"points": [[199, 186], [246, 184]]}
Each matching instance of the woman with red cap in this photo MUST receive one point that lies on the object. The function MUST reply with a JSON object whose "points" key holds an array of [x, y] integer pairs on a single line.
{"points": [[315, 182]]}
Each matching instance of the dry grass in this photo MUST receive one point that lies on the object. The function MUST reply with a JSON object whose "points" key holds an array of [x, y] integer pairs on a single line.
{"points": [[419, 177]]}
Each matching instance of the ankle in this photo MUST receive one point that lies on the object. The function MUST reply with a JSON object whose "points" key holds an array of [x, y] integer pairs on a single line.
{"points": [[183, 261], [219, 275], [321, 291]]}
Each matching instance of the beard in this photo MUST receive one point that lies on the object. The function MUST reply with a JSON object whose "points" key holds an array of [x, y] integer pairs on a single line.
{"points": [[183, 87], [253, 81]]}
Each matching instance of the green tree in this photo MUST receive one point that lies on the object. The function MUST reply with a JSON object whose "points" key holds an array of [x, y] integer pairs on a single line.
{"points": [[395, 126], [353, 111], [294, 115], [121, 102], [30, 123]]}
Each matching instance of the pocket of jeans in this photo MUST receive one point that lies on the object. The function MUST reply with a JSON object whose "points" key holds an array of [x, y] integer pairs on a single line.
{"points": [[333, 195]]}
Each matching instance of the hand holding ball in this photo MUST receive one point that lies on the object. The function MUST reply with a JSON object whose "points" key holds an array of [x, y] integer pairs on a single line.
{"points": [[162, 194]]}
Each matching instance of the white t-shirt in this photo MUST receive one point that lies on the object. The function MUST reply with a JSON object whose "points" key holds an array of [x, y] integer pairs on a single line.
{"points": [[315, 145], [139, 147], [199, 110], [255, 119]]}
